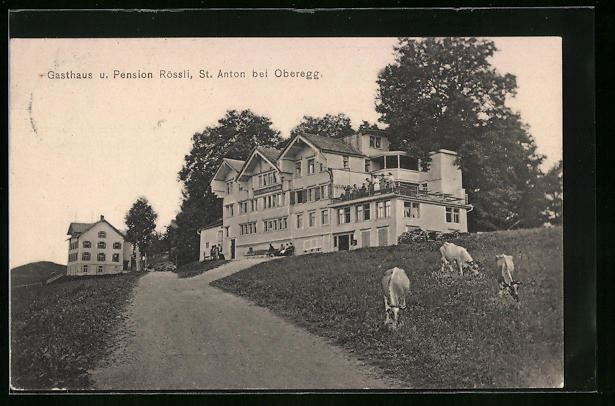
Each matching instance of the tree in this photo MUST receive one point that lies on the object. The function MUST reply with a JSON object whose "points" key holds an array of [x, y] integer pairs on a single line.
{"points": [[443, 93], [336, 126], [234, 136], [141, 223], [554, 192]]}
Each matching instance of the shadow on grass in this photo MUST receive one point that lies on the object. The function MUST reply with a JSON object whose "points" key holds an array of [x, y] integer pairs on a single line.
{"points": [[197, 268]]}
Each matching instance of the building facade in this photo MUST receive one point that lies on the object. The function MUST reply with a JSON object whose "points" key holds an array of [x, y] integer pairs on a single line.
{"points": [[324, 194], [211, 234], [99, 249]]}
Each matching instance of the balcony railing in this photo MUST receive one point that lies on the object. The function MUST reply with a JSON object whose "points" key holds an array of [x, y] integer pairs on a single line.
{"points": [[398, 188]]}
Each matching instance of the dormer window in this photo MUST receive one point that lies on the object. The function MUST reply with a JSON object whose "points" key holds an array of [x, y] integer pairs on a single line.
{"points": [[375, 141], [102, 234]]}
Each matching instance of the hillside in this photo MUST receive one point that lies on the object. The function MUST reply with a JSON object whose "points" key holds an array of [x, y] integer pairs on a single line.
{"points": [[59, 331], [456, 332], [35, 272]]}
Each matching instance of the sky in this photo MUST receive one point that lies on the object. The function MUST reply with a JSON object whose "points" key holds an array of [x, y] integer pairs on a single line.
{"points": [[79, 148]]}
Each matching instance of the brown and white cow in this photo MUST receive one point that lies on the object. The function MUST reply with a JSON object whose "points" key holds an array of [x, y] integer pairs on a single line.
{"points": [[505, 273], [459, 255], [395, 284]]}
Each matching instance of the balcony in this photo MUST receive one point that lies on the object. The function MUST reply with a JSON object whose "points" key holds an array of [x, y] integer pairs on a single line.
{"points": [[403, 189]]}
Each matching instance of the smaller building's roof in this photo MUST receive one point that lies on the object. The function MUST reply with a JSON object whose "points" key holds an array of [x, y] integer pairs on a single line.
{"points": [[329, 144], [213, 224], [76, 229]]}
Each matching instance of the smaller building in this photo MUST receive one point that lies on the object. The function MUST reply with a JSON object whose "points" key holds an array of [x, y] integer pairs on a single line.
{"points": [[99, 249], [211, 234]]}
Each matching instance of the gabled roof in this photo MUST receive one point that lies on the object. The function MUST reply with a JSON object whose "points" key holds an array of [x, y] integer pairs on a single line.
{"points": [[233, 164], [329, 144], [324, 144], [236, 164], [80, 228], [270, 155]]}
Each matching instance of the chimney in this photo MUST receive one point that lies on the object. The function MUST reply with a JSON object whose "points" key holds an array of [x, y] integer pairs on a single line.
{"points": [[102, 217]]}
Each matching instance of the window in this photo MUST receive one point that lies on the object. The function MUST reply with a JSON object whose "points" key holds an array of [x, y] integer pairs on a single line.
{"points": [[84, 269], [229, 188], [311, 166], [102, 245], [227, 231], [298, 168], [102, 234], [85, 256], [300, 196], [99, 269], [101, 257], [452, 215], [117, 245], [391, 161], [423, 187], [346, 164], [367, 165], [375, 141], [229, 210], [311, 219], [387, 208], [322, 166], [366, 212], [324, 192], [343, 215], [116, 258], [254, 204], [360, 213], [87, 244], [247, 228], [410, 163], [299, 220], [206, 244], [380, 210], [324, 217], [412, 210]]}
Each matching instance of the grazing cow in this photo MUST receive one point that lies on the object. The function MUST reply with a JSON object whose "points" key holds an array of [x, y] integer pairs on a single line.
{"points": [[395, 284], [506, 270], [454, 253]]}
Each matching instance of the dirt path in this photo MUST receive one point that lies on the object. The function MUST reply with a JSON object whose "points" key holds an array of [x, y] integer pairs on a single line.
{"points": [[189, 335]]}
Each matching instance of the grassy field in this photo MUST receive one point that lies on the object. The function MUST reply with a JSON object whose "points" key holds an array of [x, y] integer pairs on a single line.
{"points": [[35, 272], [456, 331], [196, 268], [60, 331]]}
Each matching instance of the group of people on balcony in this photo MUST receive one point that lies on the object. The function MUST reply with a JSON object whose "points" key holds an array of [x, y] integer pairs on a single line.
{"points": [[376, 184]]}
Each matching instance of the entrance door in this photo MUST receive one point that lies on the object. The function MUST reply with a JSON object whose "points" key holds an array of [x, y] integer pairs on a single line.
{"points": [[343, 242], [233, 248]]}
